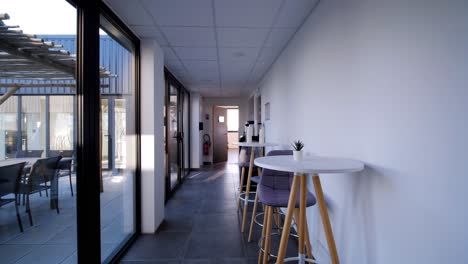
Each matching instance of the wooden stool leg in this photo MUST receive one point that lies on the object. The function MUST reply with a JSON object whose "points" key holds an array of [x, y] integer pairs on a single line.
{"points": [[287, 221], [302, 217], [254, 211], [262, 241], [247, 189], [325, 219], [307, 241], [241, 184], [266, 255]]}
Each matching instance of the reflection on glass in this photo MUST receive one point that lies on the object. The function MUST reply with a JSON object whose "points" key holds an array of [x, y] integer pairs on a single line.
{"points": [[174, 136], [33, 123], [118, 135], [61, 122], [8, 128], [105, 137]]}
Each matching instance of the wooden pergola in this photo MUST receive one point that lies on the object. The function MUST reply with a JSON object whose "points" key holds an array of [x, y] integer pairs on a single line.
{"points": [[26, 59]]}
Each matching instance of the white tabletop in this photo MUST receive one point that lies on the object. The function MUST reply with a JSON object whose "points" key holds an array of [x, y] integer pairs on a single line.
{"points": [[255, 144], [315, 164]]}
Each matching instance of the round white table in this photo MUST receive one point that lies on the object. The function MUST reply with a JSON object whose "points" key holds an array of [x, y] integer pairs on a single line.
{"points": [[312, 165], [246, 194]]}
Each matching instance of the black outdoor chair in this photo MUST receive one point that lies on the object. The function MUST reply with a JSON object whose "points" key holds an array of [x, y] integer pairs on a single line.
{"points": [[42, 172], [10, 177], [65, 166], [29, 154], [63, 153]]}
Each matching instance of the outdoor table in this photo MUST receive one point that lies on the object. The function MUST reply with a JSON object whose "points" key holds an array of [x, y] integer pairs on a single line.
{"points": [[253, 146], [29, 164], [311, 165]]}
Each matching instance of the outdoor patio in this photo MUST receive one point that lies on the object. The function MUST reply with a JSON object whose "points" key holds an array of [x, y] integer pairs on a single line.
{"points": [[52, 239]]}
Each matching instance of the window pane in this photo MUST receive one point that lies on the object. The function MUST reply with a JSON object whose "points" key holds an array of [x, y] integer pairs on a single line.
{"points": [[37, 126], [118, 145]]}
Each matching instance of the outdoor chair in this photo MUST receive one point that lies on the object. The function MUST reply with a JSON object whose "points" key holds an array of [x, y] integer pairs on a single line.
{"points": [[65, 166], [42, 172], [10, 177]]}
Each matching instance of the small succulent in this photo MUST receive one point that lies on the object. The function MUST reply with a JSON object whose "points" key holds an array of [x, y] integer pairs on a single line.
{"points": [[297, 145]]}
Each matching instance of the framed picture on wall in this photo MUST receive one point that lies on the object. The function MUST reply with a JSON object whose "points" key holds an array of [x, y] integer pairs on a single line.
{"points": [[267, 111]]}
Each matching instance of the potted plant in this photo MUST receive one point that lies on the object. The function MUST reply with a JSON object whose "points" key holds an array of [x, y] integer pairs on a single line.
{"points": [[297, 152]]}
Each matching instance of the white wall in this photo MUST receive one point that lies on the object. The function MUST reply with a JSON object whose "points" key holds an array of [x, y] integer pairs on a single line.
{"points": [[152, 135], [385, 82], [208, 103]]}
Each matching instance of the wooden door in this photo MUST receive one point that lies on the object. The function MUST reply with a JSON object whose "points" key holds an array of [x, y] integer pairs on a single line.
{"points": [[220, 142]]}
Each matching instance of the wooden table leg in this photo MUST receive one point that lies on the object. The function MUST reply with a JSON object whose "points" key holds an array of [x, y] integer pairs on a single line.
{"points": [[247, 189], [287, 221], [325, 219], [308, 245]]}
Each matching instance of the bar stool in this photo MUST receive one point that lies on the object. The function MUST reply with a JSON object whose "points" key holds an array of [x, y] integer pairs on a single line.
{"points": [[273, 192], [255, 179]]}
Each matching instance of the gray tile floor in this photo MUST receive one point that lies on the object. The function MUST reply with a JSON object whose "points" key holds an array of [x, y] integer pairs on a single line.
{"points": [[202, 225], [52, 239]]}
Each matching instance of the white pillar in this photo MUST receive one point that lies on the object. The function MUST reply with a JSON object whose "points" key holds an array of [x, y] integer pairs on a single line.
{"points": [[152, 135], [195, 133]]}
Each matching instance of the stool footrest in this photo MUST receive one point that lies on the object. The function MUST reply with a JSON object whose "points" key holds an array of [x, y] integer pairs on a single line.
{"points": [[242, 197]]}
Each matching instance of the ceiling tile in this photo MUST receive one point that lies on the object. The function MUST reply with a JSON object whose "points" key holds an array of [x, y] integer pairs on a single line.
{"points": [[190, 36], [196, 53], [169, 54], [235, 72], [150, 32], [241, 37], [279, 37], [248, 4], [174, 64], [181, 12], [246, 13], [294, 13], [180, 4], [238, 54], [258, 71], [203, 70], [268, 55], [127, 12]]}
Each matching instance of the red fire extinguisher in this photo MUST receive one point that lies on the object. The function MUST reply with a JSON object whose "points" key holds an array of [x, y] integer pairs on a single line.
{"points": [[206, 144]]}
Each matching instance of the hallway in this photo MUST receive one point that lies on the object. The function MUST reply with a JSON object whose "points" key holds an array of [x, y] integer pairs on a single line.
{"points": [[202, 225]]}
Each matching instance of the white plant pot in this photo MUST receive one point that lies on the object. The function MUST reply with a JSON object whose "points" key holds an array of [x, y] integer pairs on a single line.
{"points": [[297, 154]]}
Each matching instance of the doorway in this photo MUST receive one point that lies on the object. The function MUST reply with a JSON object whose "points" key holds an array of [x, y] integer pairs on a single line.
{"points": [[225, 133], [177, 131]]}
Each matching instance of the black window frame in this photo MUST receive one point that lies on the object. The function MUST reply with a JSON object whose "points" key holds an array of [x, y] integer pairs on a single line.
{"points": [[88, 129]]}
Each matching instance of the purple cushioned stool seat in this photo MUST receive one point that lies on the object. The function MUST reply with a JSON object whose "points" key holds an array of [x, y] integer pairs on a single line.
{"points": [[275, 186]]}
